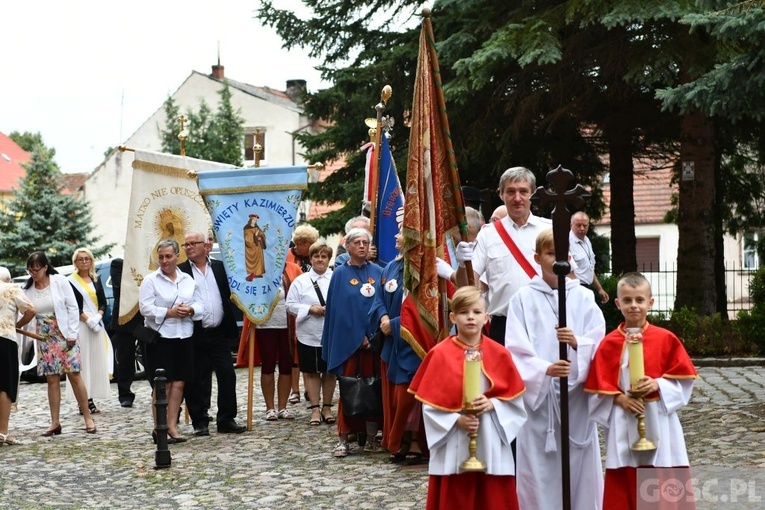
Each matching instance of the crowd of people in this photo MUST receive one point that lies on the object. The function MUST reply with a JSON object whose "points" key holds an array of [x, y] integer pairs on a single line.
{"points": [[346, 321]]}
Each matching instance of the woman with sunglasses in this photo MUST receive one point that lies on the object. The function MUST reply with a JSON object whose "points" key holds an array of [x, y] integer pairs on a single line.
{"points": [[94, 343], [58, 322]]}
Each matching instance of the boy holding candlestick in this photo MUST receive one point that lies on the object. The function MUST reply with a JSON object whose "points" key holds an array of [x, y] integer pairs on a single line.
{"points": [[440, 384], [668, 382], [533, 337]]}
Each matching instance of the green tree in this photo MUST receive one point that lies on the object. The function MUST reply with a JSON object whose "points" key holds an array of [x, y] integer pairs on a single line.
{"points": [[169, 133], [722, 91], [227, 130], [28, 141], [567, 82], [214, 136], [41, 217]]}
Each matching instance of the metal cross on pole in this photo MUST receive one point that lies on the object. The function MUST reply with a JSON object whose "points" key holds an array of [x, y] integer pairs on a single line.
{"points": [[561, 197]]}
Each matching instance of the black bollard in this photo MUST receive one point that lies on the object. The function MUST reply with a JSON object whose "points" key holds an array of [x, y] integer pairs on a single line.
{"points": [[162, 455]]}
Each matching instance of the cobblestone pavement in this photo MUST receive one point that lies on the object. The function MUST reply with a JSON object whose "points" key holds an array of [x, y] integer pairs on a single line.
{"points": [[288, 464]]}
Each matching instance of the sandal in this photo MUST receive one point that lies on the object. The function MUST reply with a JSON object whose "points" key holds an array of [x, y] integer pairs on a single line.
{"points": [[414, 457], [341, 450], [397, 457], [271, 415], [328, 419], [286, 414], [314, 421], [7, 439], [294, 397], [92, 407]]}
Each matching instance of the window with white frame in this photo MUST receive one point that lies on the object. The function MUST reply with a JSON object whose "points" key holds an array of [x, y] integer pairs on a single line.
{"points": [[749, 257]]}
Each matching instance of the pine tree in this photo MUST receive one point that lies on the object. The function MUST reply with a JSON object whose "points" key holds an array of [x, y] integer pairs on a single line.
{"points": [[41, 217], [214, 136], [227, 131], [169, 134]]}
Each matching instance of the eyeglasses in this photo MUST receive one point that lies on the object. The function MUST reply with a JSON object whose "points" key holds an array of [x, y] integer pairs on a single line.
{"points": [[82, 259], [35, 271], [192, 244], [360, 243]]}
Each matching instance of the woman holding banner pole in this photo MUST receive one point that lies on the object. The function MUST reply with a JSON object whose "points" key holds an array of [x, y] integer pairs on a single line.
{"points": [[402, 413]]}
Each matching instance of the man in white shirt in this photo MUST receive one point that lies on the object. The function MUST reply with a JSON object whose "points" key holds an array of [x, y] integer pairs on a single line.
{"points": [[493, 261], [581, 250], [212, 334]]}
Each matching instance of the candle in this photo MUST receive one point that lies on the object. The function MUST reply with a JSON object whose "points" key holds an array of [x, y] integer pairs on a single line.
{"points": [[634, 340], [472, 375]]}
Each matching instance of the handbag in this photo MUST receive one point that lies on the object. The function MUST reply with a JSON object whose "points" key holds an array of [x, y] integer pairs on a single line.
{"points": [[145, 334], [377, 341], [362, 396]]}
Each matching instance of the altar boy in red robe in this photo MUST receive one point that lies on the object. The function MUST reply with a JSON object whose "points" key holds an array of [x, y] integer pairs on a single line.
{"points": [[669, 377], [438, 384]]}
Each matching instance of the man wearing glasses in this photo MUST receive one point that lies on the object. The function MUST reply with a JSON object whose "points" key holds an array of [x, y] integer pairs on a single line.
{"points": [[212, 334]]}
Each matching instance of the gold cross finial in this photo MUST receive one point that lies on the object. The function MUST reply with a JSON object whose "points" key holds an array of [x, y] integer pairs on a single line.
{"points": [[256, 147], [183, 134]]}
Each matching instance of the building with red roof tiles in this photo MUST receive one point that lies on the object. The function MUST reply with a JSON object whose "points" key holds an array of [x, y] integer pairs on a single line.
{"points": [[12, 159], [73, 183], [658, 241]]}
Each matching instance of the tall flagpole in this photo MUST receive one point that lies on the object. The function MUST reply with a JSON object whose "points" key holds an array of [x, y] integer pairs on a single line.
{"points": [[561, 197], [250, 335], [454, 174], [374, 165]]}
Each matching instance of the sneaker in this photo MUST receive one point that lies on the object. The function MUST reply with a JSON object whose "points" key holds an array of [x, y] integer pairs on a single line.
{"points": [[286, 414], [341, 450], [271, 415]]}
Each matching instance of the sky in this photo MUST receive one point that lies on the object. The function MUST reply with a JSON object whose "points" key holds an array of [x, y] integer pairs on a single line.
{"points": [[87, 73]]}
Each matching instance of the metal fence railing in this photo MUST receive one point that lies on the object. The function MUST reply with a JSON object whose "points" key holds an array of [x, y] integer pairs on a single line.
{"points": [[663, 280]]}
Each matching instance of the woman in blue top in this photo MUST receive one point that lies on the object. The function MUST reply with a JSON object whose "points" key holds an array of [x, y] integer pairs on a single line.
{"points": [[346, 325]]}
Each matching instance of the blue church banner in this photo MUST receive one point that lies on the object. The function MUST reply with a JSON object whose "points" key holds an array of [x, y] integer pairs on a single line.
{"points": [[254, 212]]}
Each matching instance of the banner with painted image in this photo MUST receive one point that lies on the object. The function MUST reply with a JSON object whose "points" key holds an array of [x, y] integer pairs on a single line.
{"points": [[164, 204], [254, 212]]}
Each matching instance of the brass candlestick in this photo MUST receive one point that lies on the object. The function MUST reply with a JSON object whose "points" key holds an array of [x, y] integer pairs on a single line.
{"points": [[642, 444], [471, 389], [472, 463]]}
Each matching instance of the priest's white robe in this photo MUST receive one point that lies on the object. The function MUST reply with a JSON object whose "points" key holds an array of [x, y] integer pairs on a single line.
{"points": [[530, 336]]}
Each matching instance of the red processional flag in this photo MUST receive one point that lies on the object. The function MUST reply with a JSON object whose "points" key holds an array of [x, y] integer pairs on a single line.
{"points": [[432, 205]]}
